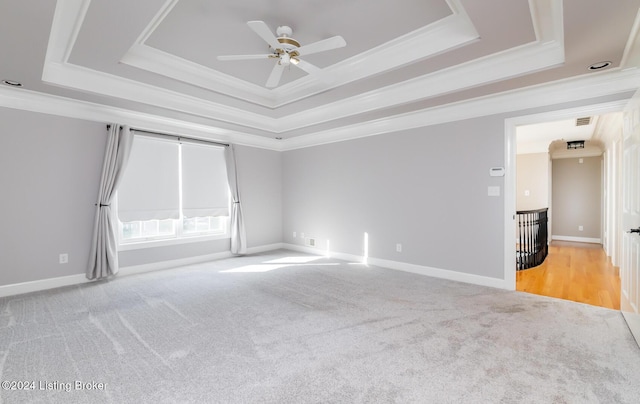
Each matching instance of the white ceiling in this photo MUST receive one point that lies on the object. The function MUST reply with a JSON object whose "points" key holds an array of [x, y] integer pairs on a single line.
{"points": [[153, 63], [537, 138]]}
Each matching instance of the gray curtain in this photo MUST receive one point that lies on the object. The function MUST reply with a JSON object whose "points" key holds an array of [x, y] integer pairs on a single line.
{"points": [[103, 258], [238, 235]]}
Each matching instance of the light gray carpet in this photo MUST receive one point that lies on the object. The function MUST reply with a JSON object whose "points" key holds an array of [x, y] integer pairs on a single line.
{"points": [[272, 331]]}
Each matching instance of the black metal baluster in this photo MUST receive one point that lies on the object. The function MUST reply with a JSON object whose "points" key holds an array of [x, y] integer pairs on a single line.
{"points": [[533, 238], [520, 245]]}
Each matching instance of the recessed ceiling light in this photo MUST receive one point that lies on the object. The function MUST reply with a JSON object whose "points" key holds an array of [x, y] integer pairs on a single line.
{"points": [[12, 83], [600, 65]]}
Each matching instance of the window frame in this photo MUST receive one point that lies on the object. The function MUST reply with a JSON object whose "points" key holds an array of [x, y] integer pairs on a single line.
{"points": [[179, 236]]}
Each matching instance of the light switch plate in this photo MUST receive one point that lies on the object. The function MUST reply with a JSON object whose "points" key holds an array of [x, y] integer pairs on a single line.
{"points": [[493, 191]]}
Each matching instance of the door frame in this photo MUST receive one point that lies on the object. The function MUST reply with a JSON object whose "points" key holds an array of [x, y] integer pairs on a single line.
{"points": [[510, 125]]}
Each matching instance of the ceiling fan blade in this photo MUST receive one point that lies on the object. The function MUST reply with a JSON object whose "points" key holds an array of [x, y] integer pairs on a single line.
{"points": [[274, 77], [323, 45], [306, 66], [243, 57], [260, 28]]}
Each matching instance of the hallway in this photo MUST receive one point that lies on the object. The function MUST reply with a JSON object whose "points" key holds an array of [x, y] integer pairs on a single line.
{"points": [[579, 272]]}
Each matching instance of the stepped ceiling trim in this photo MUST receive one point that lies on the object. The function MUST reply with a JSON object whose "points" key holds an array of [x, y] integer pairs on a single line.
{"points": [[605, 83], [546, 51], [440, 36], [457, 60]]}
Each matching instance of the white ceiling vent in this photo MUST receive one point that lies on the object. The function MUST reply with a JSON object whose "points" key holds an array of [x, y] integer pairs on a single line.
{"points": [[583, 121]]}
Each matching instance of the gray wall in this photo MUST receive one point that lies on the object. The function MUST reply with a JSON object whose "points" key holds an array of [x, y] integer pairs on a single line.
{"points": [[577, 197], [424, 188], [49, 173], [50, 169], [532, 174]]}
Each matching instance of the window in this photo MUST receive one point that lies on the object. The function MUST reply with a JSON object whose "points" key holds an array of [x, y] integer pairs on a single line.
{"points": [[172, 191]]}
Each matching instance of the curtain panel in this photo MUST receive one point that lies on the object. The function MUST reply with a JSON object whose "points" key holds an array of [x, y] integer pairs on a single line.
{"points": [[238, 236], [103, 257]]}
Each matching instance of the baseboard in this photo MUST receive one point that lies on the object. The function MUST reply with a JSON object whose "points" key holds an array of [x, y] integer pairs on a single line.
{"points": [[406, 267], [77, 279], [42, 284], [265, 248], [577, 239]]}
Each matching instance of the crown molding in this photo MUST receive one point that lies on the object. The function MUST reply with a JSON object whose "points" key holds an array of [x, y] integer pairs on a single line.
{"points": [[509, 63], [165, 64], [69, 15], [67, 21], [506, 64], [82, 78], [23, 99], [558, 92], [450, 32], [568, 90], [631, 55]]}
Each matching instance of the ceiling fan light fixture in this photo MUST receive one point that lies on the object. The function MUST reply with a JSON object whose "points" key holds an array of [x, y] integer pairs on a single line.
{"points": [[285, 59], [286, 50]]}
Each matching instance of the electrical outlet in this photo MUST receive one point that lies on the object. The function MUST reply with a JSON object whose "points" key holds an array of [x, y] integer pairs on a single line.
{"points": [[312, 242], [64, 258], [398, 247], [302, 235], [294, 234], [580, 228]]}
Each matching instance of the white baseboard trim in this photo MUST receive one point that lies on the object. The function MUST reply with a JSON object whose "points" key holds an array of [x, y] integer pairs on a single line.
{"points": [[265, 248], [42, 284], [403, 266], [77, 279], [577, 239]]}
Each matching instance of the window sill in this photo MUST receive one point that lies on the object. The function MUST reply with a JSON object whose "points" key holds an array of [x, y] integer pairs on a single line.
{"points": [[171, 241]]}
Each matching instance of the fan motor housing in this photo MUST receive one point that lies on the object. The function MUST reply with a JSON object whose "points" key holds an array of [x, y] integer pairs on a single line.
{"points": [[284, 37], [285, 40]]}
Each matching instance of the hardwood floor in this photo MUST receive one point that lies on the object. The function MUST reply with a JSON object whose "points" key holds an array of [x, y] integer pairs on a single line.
{"points": [[579, 272]]}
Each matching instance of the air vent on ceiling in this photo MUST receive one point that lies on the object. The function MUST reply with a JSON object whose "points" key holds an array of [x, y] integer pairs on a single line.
{"points": [[583, 121]]}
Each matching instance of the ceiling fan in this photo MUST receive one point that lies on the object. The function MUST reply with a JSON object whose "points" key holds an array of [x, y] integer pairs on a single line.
{"points": [[286, 50]]}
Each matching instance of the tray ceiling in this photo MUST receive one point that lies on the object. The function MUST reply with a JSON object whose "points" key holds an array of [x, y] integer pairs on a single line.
{"points": [[155, 61]]}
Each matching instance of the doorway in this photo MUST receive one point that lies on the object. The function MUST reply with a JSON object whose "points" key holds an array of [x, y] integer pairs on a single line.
{"points": [[511, 126], [560, 168]]}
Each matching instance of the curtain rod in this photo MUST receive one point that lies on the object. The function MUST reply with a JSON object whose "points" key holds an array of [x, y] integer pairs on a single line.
{"points": [[178, 137]]}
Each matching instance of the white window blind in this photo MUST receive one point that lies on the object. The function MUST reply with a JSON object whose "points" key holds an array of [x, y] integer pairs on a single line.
{"points": [[205, 191], [150, 186]]}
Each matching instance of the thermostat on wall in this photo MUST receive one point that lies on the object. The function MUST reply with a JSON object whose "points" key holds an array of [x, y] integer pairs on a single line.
{"points": [[496, 171]]}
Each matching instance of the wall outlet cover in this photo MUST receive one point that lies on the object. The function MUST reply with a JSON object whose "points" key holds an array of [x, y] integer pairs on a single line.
{"points": [[64, 258]]}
